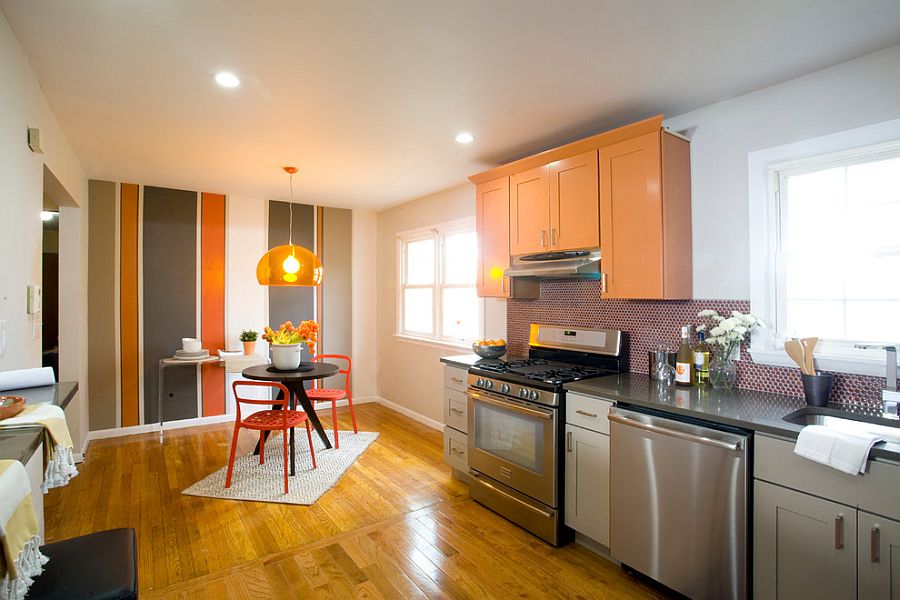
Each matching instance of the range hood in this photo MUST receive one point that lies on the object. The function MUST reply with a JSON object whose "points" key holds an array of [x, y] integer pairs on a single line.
{"points": [[584, 264]]}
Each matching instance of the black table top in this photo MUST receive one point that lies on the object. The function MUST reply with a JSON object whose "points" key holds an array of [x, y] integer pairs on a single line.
{"points": [[320, 370]]}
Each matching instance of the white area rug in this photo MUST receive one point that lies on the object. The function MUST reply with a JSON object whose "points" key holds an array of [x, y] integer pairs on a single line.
{"points": [[265, 483]]}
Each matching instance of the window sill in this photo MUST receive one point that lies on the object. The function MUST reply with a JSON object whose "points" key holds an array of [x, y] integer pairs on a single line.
{"points": [[825, 362], [420, 341]]}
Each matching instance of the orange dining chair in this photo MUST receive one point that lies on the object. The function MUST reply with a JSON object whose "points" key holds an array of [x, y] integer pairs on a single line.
{"points": [[282, 420], [317, 394]]}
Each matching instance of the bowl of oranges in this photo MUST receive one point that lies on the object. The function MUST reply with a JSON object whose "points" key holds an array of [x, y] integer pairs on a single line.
{"points": [[489, 348]]}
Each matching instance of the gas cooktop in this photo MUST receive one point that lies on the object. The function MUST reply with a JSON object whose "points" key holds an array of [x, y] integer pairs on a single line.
{"points": [[541, 370]]}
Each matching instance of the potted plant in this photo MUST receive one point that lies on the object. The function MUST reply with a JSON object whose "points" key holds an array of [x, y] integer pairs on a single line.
{"points": [[287, 343], [248, 338], [725, 335]]}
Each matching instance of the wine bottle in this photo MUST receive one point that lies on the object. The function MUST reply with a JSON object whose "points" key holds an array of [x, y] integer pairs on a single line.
{"points": [[701, 360], [684, 360]]}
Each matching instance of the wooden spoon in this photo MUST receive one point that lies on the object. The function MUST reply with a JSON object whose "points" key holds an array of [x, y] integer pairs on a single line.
{"points": [[795, 351], [809, 348]]}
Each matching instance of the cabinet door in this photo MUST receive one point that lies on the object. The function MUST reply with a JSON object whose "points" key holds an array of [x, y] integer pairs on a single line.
{"points": [[492, 224], [529, 211], [879, 557], [804, 546], [631, 218], [587, 483], [575, 202]]}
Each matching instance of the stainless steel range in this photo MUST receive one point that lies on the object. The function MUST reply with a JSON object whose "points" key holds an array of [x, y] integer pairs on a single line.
{"points": [[515, 423]]}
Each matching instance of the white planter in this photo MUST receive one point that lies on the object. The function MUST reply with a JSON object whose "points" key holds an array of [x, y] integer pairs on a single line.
{"points": [[286, 356]]}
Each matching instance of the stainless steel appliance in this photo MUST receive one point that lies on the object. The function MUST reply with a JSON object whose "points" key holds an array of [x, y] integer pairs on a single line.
{"points": [[515, 424], [678, 503]]}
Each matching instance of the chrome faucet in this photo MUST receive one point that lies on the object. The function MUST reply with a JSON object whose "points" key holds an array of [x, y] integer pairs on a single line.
{"points": [[890, 396]]}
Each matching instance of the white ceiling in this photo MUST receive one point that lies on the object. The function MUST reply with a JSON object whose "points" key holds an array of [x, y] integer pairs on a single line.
{"points": [[365, 96]]}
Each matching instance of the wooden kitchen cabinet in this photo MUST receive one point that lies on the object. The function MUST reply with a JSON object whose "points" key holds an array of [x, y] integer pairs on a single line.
{"points": [[804, 546], [555, 206], [645, 217], [879, 557], [492, 225], [587, 483]]}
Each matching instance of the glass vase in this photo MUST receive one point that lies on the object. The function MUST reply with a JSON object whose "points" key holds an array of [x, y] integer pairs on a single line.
{"points": [[722, 370]]}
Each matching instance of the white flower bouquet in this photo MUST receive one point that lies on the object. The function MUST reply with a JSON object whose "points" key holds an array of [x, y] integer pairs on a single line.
{"points": [[725, 334]]}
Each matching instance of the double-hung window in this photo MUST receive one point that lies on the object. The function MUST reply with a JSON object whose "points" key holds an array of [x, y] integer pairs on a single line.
{"points": [[832, 264], [437, 298]]}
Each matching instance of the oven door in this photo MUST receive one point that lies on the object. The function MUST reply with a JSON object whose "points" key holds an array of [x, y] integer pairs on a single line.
{"points": [[514, 443]]}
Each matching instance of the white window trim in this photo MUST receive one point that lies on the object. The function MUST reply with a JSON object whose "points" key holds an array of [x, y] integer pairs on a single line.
{"points": [[437, 232], [762, 220]]}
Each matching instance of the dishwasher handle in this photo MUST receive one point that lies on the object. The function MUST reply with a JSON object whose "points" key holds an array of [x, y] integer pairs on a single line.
{"points": [[624, 420]]}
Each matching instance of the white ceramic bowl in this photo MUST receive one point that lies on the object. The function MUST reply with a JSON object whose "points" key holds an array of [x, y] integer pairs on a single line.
{"points": [[191, 345]]}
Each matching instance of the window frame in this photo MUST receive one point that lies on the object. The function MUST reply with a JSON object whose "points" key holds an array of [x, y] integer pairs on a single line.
{"points": [[766, 168], [438, 233]]}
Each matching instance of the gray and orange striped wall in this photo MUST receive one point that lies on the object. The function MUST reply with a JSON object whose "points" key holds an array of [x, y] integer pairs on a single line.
{"points": [[158, 271]]}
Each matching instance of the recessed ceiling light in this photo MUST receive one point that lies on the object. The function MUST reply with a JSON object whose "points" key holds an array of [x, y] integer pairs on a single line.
{"points": [[464, 138], [47, 215], [227, 80]]}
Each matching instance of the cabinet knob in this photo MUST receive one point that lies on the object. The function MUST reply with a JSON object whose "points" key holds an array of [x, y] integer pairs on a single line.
{"points": [[602, 283], [552, 237], [543, 235], [568, 441], [839, 532], [874, 536]]}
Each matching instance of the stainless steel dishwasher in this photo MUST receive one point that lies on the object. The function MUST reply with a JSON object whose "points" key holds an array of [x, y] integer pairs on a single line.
{"points": [[678, 503]]}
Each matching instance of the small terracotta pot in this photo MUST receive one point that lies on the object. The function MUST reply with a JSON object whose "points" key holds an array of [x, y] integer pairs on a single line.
{"points": [[249, 348]]}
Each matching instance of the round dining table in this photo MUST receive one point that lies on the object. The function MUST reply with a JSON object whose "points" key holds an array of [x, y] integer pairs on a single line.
{"points": [[293, 381]]}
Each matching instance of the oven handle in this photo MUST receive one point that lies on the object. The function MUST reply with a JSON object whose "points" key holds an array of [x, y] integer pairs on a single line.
{"points": [[510, 406], [494, 488], [673, 433]]}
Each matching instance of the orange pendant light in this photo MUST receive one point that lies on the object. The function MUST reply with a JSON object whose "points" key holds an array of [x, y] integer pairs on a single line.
{"points": [[289, 264]]}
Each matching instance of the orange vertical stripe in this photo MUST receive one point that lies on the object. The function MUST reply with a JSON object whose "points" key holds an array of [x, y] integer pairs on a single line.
{"points": [[212, 297], [128, 303]]}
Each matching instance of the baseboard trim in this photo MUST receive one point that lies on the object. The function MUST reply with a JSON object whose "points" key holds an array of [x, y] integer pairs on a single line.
{"points": [[410, 413]]}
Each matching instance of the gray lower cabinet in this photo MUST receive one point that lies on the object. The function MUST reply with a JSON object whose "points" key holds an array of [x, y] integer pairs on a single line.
{"points": [[456, 419], [879, 557], [804, 546], [587, 483]]}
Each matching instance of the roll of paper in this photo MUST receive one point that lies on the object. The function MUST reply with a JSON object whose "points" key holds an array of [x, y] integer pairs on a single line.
{"points": [[26, 378]]}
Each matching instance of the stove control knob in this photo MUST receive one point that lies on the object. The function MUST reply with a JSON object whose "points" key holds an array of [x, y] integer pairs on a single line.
{"points": [[488, 384], [479, 382], [532, 395], [504, 387], [523, 393]]}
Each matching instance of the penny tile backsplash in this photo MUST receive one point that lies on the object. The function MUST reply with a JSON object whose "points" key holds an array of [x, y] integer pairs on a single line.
{"points": [[577, 303]]}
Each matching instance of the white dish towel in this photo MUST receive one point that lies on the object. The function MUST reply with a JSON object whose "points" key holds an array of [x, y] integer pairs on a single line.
{"points": [[847, 452]]}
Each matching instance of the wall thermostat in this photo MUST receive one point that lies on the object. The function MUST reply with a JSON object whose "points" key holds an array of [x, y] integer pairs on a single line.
{"points": [[34, 299]]}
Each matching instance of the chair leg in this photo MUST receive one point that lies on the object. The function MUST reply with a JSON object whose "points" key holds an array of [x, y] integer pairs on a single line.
{"points": [[262, 447], [285, 446], [352, 413], [337, 443], [234, 439], [312, 451]]}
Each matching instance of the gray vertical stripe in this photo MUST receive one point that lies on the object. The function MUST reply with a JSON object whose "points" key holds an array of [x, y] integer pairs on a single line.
{"points": [[291, 303], [102, 304], [170, 297]]}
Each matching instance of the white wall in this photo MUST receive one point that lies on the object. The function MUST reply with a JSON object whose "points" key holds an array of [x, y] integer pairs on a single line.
{"points": [[21, 197], [856, 93]]}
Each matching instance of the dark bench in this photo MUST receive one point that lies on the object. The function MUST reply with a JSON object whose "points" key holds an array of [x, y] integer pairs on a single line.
{"points": [[100, 566]]}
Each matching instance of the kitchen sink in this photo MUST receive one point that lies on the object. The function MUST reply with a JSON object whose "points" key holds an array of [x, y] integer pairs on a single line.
{"points": [[887, 429]]}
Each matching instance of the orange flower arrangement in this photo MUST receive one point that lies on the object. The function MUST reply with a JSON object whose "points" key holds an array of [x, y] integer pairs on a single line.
{"points": [[307, 333]]}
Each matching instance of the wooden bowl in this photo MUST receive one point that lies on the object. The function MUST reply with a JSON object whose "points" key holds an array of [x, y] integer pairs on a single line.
{"points": [[10, 406]]}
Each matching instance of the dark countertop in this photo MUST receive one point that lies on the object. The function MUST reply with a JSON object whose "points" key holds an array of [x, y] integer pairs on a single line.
{"points": [[20, 444], [746, 409], [59, 394], [464, 361]]}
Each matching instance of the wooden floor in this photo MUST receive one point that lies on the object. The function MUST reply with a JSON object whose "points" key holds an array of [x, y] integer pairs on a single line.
{"points": [[396, 525]]}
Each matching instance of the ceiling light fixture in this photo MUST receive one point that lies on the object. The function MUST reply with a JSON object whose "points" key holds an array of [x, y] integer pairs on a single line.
{"points": [[288, 264], [464, 138], [48, 215], [227, 80]]}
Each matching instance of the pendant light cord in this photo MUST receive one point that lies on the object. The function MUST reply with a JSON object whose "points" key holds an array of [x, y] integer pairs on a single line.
{"points": [[291, 213]]}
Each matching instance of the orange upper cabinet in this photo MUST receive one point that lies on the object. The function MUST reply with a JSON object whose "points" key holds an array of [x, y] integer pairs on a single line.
{"points": [[529, 211], [574, 203], [645, 217], [492, 224]]}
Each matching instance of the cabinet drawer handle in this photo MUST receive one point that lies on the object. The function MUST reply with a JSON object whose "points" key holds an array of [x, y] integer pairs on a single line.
{"points": [[839, 532], [457, 452], [456, 410], [874, 535], [543, 235], [568, 441], [586, 414], [456, 379]]}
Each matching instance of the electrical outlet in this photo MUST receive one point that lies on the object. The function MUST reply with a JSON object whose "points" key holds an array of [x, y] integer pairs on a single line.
{"points": [[33, 299]]}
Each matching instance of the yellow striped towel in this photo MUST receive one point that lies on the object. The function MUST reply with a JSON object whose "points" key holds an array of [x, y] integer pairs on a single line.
{"points": [[21, 559], [59, 461]]}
